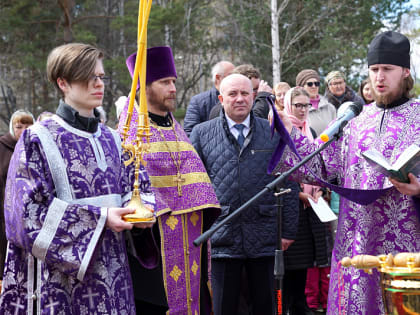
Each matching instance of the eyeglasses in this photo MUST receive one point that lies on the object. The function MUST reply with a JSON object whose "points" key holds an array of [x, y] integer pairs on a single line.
{"points": [[300, 105], [337, 83], [105, 80], [313, 83]]}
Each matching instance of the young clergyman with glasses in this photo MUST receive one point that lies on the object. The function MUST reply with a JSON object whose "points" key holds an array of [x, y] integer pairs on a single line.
{"points": [[63, 207]]}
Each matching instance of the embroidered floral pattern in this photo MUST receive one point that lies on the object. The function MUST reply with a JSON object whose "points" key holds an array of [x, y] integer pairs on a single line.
{"points": [[388, 225]]}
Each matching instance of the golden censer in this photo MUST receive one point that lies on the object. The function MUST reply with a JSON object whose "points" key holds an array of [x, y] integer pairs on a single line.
{"points": [[400, 280]]}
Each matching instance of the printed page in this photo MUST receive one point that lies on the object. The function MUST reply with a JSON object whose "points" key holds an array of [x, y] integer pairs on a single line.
{"points": [[323, 210], [374, 156]]}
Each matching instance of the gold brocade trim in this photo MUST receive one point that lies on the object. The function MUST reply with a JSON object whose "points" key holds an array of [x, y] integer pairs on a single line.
{"points": [[172, 222], [157, 147], [201, 252], [163, 254], [194, 218], [187, 260], [176, 273], [169, 180], [183, 211], [194, 268]]}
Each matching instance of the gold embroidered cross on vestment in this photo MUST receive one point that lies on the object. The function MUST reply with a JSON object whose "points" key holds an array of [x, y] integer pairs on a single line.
{"points": [[178, 179]]}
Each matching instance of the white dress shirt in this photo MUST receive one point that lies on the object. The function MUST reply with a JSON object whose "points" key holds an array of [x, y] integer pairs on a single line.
{"points": [[234, 131]]}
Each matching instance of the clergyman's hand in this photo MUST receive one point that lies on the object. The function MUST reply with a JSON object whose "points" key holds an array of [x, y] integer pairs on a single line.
{"points": [[410, 189], [115, 221]]}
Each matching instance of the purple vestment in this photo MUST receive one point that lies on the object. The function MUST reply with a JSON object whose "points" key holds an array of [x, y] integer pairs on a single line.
{"points": [[62, 259], [388, 225], [180, 209]]}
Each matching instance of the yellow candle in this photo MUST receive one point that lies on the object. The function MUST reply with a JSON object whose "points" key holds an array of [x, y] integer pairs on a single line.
{"points": [[140, 65]]}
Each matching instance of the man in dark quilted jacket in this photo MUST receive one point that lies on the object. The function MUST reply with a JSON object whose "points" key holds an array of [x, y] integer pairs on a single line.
{"points": [[236, 148]]}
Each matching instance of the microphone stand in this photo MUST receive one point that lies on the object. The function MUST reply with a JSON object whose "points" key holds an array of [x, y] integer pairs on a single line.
{"points": [[278, 253], [278, 263]]}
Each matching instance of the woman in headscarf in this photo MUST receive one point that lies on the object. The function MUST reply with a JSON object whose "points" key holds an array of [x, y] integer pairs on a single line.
{"points": [[310, 247]]}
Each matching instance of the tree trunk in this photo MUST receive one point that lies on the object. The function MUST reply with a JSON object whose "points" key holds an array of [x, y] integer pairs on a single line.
{"points": [[121, 47], [67, 7], [275, 42]]}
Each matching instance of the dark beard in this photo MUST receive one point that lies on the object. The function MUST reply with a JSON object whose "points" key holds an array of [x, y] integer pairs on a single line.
{"points": [[388, 98], [159, 103]]}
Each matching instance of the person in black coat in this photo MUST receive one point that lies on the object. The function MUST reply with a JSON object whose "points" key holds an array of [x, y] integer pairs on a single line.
{"points": [[200, 105], [236, 148], [260, 91]]}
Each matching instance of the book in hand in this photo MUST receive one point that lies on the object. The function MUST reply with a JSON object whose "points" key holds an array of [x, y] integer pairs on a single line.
{"points": [[407, 162], [322, 210]]}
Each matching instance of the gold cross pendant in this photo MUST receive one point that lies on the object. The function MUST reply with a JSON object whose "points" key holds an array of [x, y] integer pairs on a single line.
{"points": [[179, 180]]}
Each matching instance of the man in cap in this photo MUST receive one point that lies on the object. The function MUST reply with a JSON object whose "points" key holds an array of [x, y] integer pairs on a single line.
{"points": [[186, 204], [201, 104], [385, 218], [338, 92]]}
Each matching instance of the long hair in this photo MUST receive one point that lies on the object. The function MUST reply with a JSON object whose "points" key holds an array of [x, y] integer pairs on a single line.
{"points": [[407, 86]]}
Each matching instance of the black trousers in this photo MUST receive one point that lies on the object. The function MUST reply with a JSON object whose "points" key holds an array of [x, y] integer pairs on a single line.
{"points": [[294, 299], [226, 285]]}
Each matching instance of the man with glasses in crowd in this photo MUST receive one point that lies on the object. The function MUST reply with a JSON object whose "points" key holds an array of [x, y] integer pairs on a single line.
{"points": [[338, 92]]}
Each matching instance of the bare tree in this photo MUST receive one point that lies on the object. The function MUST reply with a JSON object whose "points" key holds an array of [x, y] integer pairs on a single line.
{"points": [[275, 13], [9, 101], [293, 31]]}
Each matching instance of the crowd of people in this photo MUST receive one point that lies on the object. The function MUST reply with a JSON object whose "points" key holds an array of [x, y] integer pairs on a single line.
{"points": [[66, 181]]}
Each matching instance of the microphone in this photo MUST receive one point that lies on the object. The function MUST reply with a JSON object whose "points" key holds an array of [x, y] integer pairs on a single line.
{"points": [[353, 110]]}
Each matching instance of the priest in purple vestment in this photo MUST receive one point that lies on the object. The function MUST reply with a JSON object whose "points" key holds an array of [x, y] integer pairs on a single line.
{"points": [[186, 204], [389, 224], [63, 204]]}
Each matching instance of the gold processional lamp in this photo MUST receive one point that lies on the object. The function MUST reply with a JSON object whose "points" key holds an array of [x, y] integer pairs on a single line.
{"points": [[400, 279], [141, 143]]}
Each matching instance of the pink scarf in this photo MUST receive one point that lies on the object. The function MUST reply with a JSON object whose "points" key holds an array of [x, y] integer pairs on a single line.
{"points": [[315, 101], [303, 125]]}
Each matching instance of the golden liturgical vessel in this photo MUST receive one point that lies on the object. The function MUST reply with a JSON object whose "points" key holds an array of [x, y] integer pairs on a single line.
{"points": [[400, 280], [141, 144]]}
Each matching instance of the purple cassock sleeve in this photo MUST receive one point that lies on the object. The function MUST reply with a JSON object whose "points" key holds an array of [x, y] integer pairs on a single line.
{"points": [[299, 147], [375, 218], [53, 230]]}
